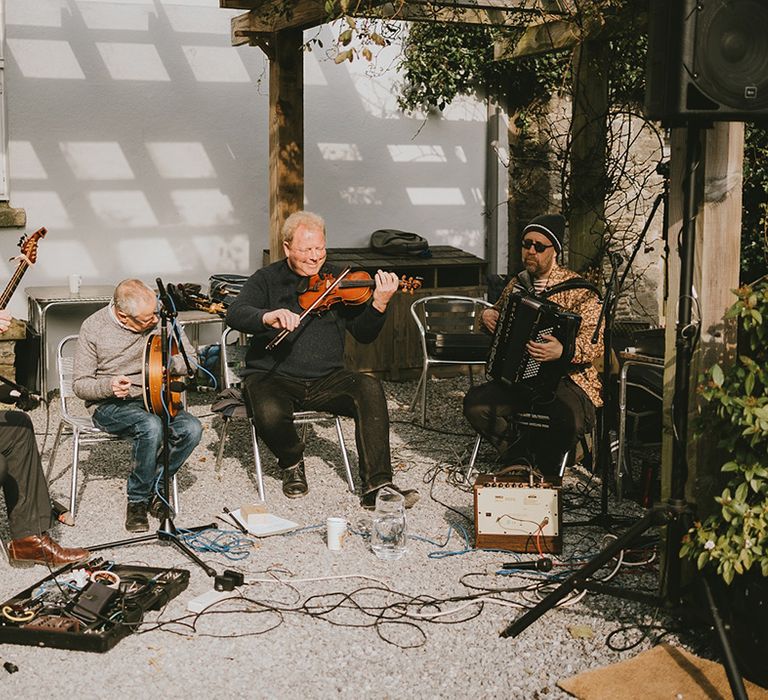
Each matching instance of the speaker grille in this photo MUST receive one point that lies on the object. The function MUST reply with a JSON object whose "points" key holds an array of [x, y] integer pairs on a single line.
{"points": [[730, 63]]}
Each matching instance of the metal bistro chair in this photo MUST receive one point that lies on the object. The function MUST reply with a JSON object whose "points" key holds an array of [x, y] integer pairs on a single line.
{"points": [[448, 328], [232, 360], [80, 428]]}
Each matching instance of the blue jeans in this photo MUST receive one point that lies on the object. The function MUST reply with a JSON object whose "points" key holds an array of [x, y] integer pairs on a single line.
{"points": [[130, 419]]}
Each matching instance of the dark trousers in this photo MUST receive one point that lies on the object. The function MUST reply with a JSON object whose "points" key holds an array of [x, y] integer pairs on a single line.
{"points": [[274, 399], [21, 474], [492, 408]]}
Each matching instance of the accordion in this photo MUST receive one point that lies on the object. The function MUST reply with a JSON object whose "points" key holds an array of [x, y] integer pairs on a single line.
{"points": [[522, 318]]}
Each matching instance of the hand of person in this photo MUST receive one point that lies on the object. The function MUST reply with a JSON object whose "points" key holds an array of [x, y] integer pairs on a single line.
{"points": [[5, 320], [546, 351], [387, 283], [489, 318], [282, 319], [121, 386]]}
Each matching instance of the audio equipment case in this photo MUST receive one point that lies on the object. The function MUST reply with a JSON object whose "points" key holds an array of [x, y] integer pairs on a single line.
{"points": [[56, 612], [512, 514]]}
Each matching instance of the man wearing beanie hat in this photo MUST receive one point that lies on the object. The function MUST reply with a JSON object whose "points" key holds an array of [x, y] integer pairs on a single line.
{"points": [[492, 408]]}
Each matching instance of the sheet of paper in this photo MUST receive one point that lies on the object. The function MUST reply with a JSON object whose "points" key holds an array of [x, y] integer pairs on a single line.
{"points": [[265, 524]]}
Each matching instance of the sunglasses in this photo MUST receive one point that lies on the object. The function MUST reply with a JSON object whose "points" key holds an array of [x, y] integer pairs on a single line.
{"points": [[538, 247]]}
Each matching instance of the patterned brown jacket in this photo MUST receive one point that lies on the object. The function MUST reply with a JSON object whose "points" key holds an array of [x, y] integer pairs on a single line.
{"points": [[587, 305]]}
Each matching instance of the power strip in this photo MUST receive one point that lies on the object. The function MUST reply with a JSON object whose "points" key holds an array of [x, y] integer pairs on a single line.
{"points": [[197, 605]]}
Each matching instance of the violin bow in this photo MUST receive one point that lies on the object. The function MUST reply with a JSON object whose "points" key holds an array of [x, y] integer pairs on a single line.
{"points": [[272, 344]]}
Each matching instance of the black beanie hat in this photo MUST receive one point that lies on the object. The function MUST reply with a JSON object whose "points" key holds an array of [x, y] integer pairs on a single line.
{"points": [[550, 225]]}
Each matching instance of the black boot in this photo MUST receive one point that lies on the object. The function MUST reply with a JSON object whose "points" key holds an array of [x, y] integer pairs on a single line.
{"points": [[294, 481]]}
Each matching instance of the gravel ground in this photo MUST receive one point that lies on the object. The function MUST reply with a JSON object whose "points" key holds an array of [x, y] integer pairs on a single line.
{"points": [[269, 646]]}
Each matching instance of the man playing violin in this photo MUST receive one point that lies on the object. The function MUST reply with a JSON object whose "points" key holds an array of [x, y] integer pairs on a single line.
{"points": [[108, 367], [306, 371]]}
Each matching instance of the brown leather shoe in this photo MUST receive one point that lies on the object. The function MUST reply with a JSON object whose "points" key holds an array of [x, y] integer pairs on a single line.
{"points": [[41, 549]]}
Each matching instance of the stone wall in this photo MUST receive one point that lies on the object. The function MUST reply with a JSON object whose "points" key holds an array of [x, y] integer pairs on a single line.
{"points": [[17, 331]]}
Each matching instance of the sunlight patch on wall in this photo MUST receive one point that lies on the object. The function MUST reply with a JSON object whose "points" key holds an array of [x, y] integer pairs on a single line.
{"points": [[361, 196], [478, 196], [181, 160], [56, 215], [33, 14], [435, 196], [203, 207], [410, 153], [466, 239], [90, 160], [122, 208], [144, 257], [340, 151], [216, 64], [116, 16], [26, 164], [42, 58], [460, 154], [206, 20], [132, 61]]}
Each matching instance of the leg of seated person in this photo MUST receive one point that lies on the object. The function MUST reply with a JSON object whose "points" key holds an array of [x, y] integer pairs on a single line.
{"points": [[272, 401], [26, 497], [571, 414], [26, 492], [360, 397], [490, 410], [130, 419], [185, 433]]}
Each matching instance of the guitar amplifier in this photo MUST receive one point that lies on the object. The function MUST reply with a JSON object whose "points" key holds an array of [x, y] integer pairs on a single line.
{"points": [[511, 514]]}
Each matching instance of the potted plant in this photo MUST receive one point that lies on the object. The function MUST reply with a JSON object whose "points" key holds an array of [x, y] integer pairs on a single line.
{"points": [[733, 541]]}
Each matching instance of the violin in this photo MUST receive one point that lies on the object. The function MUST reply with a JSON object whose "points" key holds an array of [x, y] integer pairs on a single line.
{"points": [[323, 291], [355, 288]]}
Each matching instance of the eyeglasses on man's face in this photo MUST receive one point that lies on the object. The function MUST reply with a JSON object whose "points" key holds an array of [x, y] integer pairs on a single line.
{"points": [[538, 247]]}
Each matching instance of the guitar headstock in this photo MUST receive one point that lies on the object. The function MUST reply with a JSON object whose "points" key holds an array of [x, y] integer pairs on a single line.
{"points": [[410, 284], [28, 244]]}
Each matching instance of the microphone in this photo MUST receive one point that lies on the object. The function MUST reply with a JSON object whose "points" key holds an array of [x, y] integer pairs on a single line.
{"points": [[543, 564]]}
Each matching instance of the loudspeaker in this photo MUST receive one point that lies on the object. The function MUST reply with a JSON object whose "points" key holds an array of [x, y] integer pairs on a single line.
{"points": [[707, 59]]}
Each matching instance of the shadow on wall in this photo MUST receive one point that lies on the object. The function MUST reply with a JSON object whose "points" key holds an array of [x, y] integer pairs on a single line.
{"points": [[139, 138]]}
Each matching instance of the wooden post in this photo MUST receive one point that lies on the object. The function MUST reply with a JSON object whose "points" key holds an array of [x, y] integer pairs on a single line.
{"points": [[587, 190], [716, 273], [286, 132]]}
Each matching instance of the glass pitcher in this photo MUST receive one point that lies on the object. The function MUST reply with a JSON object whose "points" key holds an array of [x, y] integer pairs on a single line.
{"points": [[389, 532]]}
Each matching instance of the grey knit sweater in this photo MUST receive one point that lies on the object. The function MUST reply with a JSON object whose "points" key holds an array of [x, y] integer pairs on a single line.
{"points": [[106, 350]]}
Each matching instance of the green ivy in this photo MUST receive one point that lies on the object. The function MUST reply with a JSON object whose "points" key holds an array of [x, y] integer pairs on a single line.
{"points": [[735, 407]]}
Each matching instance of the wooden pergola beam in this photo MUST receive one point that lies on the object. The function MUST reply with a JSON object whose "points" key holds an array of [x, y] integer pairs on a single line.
{"points": [[268, 16]]}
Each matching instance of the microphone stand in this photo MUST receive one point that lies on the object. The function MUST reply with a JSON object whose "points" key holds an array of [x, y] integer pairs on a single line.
{"points": [[167, 533], [607, 316]]}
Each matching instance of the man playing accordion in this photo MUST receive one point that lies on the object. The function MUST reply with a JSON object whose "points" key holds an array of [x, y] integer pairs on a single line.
{"points": [[500, 410]]}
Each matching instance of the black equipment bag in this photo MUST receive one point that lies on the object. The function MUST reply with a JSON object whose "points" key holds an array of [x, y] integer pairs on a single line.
{"points": [[224, 288], [393, 242]]}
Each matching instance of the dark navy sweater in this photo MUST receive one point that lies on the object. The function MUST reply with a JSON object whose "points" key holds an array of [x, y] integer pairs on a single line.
{"points": [[313, 350]]}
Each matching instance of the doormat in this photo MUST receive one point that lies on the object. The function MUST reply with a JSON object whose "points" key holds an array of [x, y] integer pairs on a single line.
{"points": [[662, 672]]}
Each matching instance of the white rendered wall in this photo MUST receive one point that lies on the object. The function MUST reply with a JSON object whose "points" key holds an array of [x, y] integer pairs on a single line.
{"points": [[138, 137]]}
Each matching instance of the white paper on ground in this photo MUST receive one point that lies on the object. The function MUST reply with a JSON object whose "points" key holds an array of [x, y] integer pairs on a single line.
{"points": [[265, 524]]}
